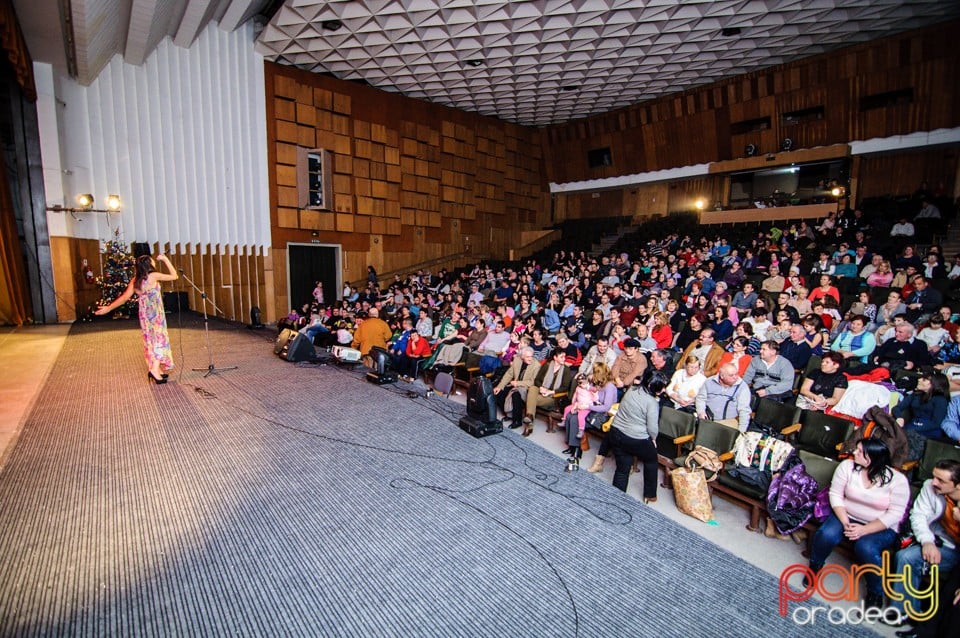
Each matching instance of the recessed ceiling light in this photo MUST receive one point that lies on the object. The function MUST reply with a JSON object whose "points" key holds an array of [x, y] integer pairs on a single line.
{"points": [[331, 25], [475, 62], [730, 31], [570, 87]]}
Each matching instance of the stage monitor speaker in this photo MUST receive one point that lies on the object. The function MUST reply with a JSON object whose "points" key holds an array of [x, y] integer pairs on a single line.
{"points": [[282, 339], [298, 348]]}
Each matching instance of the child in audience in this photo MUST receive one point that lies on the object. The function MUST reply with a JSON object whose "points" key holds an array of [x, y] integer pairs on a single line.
{"points": [[583, 397]]}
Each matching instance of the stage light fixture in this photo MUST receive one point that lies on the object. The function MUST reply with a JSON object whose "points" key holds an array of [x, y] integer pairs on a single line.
{"points": [[475, 62], [85, 202], [700, 204], [751, 150], [787, 144], [838, 191]]}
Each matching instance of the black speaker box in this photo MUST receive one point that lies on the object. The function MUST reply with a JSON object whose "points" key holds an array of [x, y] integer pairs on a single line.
{"points": [[479, 428], [298, 348]]}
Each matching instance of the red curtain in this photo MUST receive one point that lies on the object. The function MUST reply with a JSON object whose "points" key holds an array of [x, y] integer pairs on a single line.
{"points": [[11, 39], [15, 306]]}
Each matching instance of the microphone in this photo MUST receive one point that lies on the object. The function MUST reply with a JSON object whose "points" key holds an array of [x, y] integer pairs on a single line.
{"points": [[180, 270]]}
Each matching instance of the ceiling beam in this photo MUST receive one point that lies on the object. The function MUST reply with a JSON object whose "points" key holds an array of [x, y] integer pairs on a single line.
{"points": [[236, 13], [193, 20], [142, 15]]}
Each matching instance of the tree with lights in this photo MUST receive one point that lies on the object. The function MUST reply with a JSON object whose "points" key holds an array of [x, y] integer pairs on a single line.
{"points": [[117, 271]]}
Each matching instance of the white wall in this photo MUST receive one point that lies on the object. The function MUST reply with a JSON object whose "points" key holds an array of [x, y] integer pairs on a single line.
{"points": [[181, 139]]}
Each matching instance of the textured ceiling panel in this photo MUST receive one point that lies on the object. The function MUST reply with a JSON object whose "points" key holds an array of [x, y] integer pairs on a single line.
{"points": [[611, 53]]}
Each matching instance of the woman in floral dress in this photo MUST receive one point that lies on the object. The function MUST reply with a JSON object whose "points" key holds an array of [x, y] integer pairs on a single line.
{"points": [[153, 321]]}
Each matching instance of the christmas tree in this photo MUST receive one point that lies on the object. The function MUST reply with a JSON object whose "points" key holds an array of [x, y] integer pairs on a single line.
{"points": [[117, 272]]}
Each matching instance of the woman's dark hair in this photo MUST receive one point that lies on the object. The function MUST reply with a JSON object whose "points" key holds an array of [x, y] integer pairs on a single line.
{"points": [[939, 386], [654, 383], [878, 471], [144, 267], [743, 341]]}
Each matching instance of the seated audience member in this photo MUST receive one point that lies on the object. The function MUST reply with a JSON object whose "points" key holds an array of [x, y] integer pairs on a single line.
{"points": [[745, 299], [725, 398], [921, 412], [512, 389], [907, 258], [935, 521], [894, 306], [662, 360], [903, 352], [823, 267], [745, 330], [706, 350], [721, 325], [575, 421], [642, 335], [846, 268], [928, 211], [823, 388], [796, 349], [864, 306], [554, 377], [417, 350], [773, 284], [737, 354], [868, 269], [902, 228], [923, 301], [661, 332], [601, 352], [570, 351], [932, 268], [951, 423], [868, 498], [856, 343], [949, 352], [760, 321], [690, 332], [629, 366], [801, 303], [934, 334], [769, 374], [826, 288], [684, 385]]}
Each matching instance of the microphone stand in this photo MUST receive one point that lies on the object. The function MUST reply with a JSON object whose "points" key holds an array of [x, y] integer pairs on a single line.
{"points": [[211, 368]]}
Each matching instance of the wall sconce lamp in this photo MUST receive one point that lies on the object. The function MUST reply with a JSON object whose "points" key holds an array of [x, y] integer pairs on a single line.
{"points": [[85, 202]]}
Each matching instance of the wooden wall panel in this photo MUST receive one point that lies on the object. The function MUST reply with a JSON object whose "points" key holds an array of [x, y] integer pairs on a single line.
{"points": [[902, 173], [701, 125], [407, 175]]}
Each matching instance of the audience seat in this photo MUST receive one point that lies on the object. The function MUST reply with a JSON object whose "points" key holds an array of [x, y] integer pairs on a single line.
{"points": [[712, 435], [822, 434], [676, 428]]}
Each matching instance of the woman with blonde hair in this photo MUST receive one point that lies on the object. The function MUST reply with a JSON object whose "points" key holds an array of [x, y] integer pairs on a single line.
{"points": [[882, 276], [602, 381]]}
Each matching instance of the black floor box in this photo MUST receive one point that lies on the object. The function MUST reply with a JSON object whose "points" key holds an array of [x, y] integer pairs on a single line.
{"points": [[480, 428]]}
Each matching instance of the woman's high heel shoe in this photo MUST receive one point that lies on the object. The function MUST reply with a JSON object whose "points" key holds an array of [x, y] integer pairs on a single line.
{"points": [[154, 379]]}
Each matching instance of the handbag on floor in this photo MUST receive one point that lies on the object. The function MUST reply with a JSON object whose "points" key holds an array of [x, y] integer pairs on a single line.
{"points": [[692, 493]]}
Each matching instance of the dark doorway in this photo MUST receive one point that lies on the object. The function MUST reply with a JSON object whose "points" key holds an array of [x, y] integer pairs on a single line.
{"points": [[308, 264]]}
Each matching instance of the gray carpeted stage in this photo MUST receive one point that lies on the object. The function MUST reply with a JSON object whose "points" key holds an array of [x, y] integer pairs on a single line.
{"points": [[295, 499]]}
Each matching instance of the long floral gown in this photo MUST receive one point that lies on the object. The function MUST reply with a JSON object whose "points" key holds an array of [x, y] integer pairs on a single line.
{"points": [[153, 323]]}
